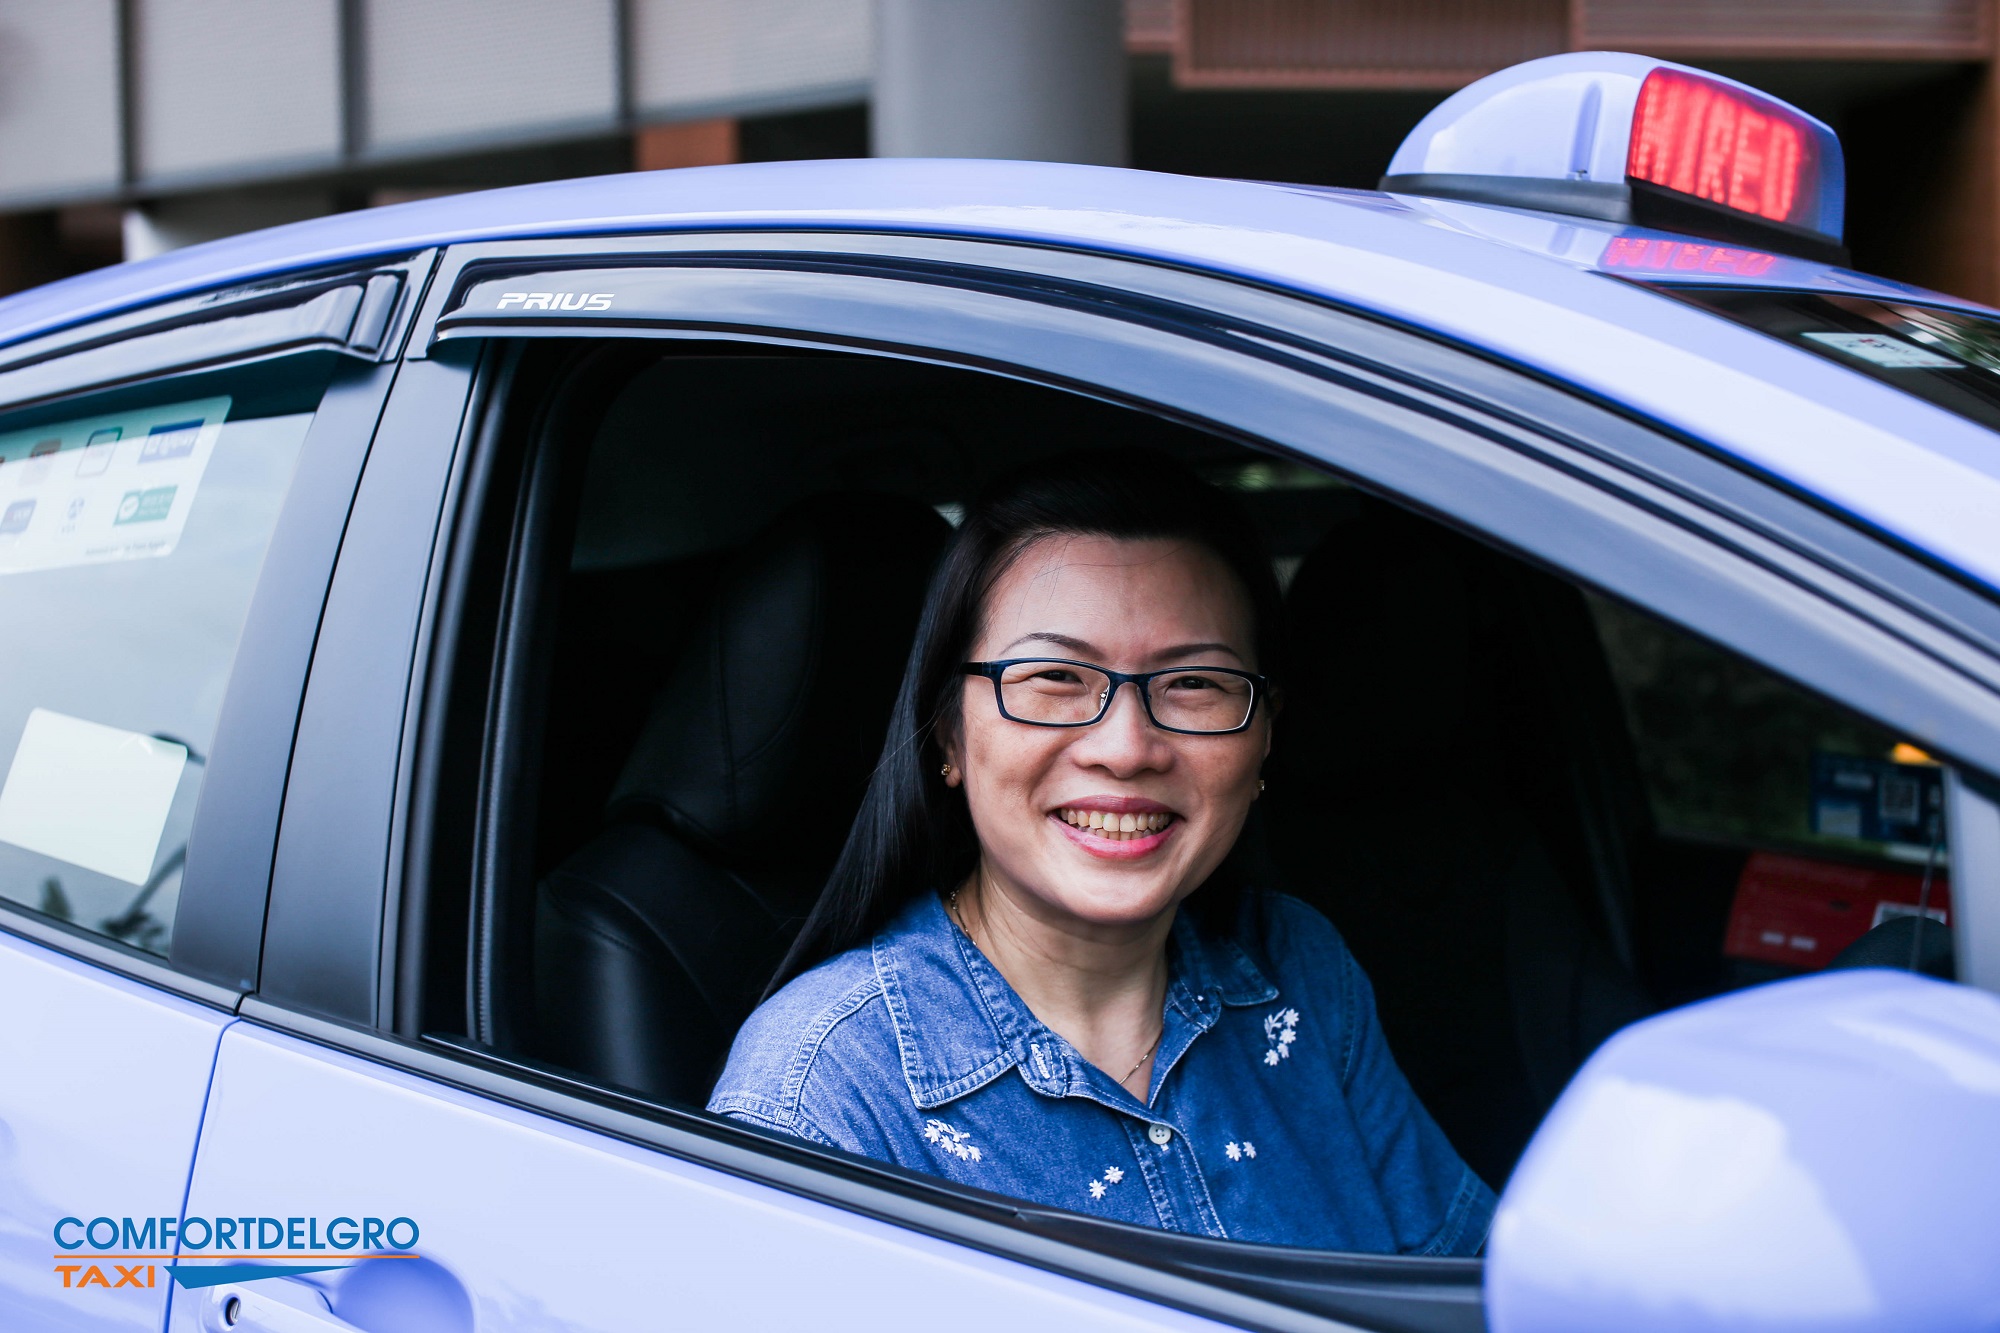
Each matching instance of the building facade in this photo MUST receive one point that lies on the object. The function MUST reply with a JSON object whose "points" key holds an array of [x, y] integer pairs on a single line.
{"points": [[132, 126]]}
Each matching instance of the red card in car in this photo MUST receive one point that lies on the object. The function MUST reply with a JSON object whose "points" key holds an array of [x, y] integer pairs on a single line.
{"points": [[1800, 911]]}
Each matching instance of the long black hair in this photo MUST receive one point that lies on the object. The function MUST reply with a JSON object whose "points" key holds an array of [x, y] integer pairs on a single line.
{"points": [[913, 834]]}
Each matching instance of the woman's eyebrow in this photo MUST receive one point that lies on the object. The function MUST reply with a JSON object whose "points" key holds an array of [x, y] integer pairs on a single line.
{"points": [[1195, 649], [1064, 641], [1082, 648]]}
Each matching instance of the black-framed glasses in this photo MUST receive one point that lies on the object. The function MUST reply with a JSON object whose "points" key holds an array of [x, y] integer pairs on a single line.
{"points": [[1056, 692]]}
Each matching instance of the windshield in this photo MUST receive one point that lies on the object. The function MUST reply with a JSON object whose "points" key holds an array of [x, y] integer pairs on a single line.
{"points": [[1947, 357]]}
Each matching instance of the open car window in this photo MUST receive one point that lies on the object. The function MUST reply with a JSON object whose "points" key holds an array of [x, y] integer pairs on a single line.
{"points": [[1485, 776]]}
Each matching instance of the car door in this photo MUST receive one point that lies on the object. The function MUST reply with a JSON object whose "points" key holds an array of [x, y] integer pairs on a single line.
{"points": [[171, 496], [393, 1170], [387, 1185]]}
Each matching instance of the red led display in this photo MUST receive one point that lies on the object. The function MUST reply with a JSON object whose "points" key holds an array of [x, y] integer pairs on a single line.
{"points": [[1702, 138]]}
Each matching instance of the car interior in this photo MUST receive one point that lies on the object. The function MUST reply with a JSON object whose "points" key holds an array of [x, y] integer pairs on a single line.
{"points": [[1534, 813]]}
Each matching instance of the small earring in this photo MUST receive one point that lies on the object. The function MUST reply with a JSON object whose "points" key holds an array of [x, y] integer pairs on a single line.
{"points": [[945, 772], [1260, 786]]}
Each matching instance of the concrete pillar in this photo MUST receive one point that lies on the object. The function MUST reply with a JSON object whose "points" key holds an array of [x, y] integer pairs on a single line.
{"points": [[1038, 79]]}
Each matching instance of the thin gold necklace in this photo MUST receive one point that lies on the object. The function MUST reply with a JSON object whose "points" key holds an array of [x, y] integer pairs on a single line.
{"points": [[951, 906]]}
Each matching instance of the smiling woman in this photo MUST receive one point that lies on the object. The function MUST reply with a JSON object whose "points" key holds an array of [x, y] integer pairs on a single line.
{"points": [[1037, 967]]}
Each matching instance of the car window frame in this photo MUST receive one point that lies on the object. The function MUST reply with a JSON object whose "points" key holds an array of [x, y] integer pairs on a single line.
{"points": [[1866, 599], [214, 952], [1457, 373]]}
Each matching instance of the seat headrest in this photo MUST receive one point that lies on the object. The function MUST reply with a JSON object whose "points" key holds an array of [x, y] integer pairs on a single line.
{"points": [[761, 742], [1384, 616]]}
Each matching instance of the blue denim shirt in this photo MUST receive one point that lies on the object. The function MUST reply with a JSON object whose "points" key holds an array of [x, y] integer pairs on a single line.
{"points": [[1276, 1113]]}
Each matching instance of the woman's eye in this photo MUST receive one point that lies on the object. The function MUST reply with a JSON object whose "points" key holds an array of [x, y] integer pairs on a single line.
{"points": [[1058, 677], [1192, 683]]}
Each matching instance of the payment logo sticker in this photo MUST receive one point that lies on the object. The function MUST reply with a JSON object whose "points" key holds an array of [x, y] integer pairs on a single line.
{"points": [[40, 459], [176, 439], [121, 485], [98, 451], [146, 506]]}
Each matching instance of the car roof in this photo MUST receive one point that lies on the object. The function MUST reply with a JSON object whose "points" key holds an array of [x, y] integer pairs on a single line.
{"points": [[1507, 282]]}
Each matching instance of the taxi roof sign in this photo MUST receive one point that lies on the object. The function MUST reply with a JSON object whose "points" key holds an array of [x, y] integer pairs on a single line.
{"points": [[1628, 138]]}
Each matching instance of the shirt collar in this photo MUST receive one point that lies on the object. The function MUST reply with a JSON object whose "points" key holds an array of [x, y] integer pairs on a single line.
{"points": [[959, 1025]]}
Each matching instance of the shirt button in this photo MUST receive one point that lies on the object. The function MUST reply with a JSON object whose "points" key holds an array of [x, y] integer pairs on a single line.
{"points": [[1160, 1134]]}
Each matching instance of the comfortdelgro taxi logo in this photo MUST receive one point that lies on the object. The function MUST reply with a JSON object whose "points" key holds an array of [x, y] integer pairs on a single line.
{"points": [[114, 1252]]}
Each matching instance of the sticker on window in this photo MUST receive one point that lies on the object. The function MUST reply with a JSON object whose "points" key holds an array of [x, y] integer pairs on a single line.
{"points": [[91, 795], [104, 488], [1882, 350]]}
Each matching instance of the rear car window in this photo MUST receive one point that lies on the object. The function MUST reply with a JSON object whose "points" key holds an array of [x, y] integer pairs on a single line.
{"points": [[132, 528], [1805, 825], [1946, 357]]}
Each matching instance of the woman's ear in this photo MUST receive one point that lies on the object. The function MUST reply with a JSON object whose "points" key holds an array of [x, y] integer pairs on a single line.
{"points": [[952, 771]]}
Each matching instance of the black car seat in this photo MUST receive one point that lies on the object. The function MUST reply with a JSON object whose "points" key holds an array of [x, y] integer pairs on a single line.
{"points": [[1446, 791], [654, 940]]}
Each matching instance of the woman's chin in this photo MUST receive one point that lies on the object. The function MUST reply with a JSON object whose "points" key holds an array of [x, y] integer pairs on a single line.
{"points": [[1116, 908]]}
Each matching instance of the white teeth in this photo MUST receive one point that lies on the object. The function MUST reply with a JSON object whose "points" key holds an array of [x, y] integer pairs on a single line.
{"points": [[1118, 828]]}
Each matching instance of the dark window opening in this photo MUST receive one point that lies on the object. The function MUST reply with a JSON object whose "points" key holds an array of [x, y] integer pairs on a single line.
{"points": [[1534, 815]]}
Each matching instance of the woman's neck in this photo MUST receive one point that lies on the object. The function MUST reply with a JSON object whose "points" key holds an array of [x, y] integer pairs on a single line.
{"points": [[1103, 989]]}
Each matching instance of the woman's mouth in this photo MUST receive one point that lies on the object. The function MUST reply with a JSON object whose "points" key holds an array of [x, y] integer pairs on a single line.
{"points": [[1117, 835], [1114, 827]]}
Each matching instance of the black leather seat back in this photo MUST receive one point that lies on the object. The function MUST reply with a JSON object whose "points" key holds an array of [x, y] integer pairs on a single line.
{"points": [[654, 940], [1426, 799]]}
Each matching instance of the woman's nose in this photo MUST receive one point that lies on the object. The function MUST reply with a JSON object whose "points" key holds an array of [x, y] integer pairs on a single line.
{"points": [[1124, 740]]}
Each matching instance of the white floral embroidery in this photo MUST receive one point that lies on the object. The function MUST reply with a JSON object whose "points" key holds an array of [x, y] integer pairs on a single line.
{"points": [[1232, 1152], [1112, 1175], [1249, 1148], [1280, 1030], [953, 1141]]}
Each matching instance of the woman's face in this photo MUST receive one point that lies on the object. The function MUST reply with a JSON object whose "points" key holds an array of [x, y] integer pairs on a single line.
{"points": [[1129, 606]]}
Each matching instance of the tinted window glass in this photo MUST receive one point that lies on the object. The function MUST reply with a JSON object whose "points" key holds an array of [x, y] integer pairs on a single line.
{"points": [[132, 528], [1733, 753], [1788, 829], [1946, 357]]}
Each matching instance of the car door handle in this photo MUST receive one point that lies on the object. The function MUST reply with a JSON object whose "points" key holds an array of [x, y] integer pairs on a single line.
{"points": [[274, 1305]]}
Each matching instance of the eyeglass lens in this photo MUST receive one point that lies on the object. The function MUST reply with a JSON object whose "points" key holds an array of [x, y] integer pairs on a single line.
{"points": [[1194, 699]]}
